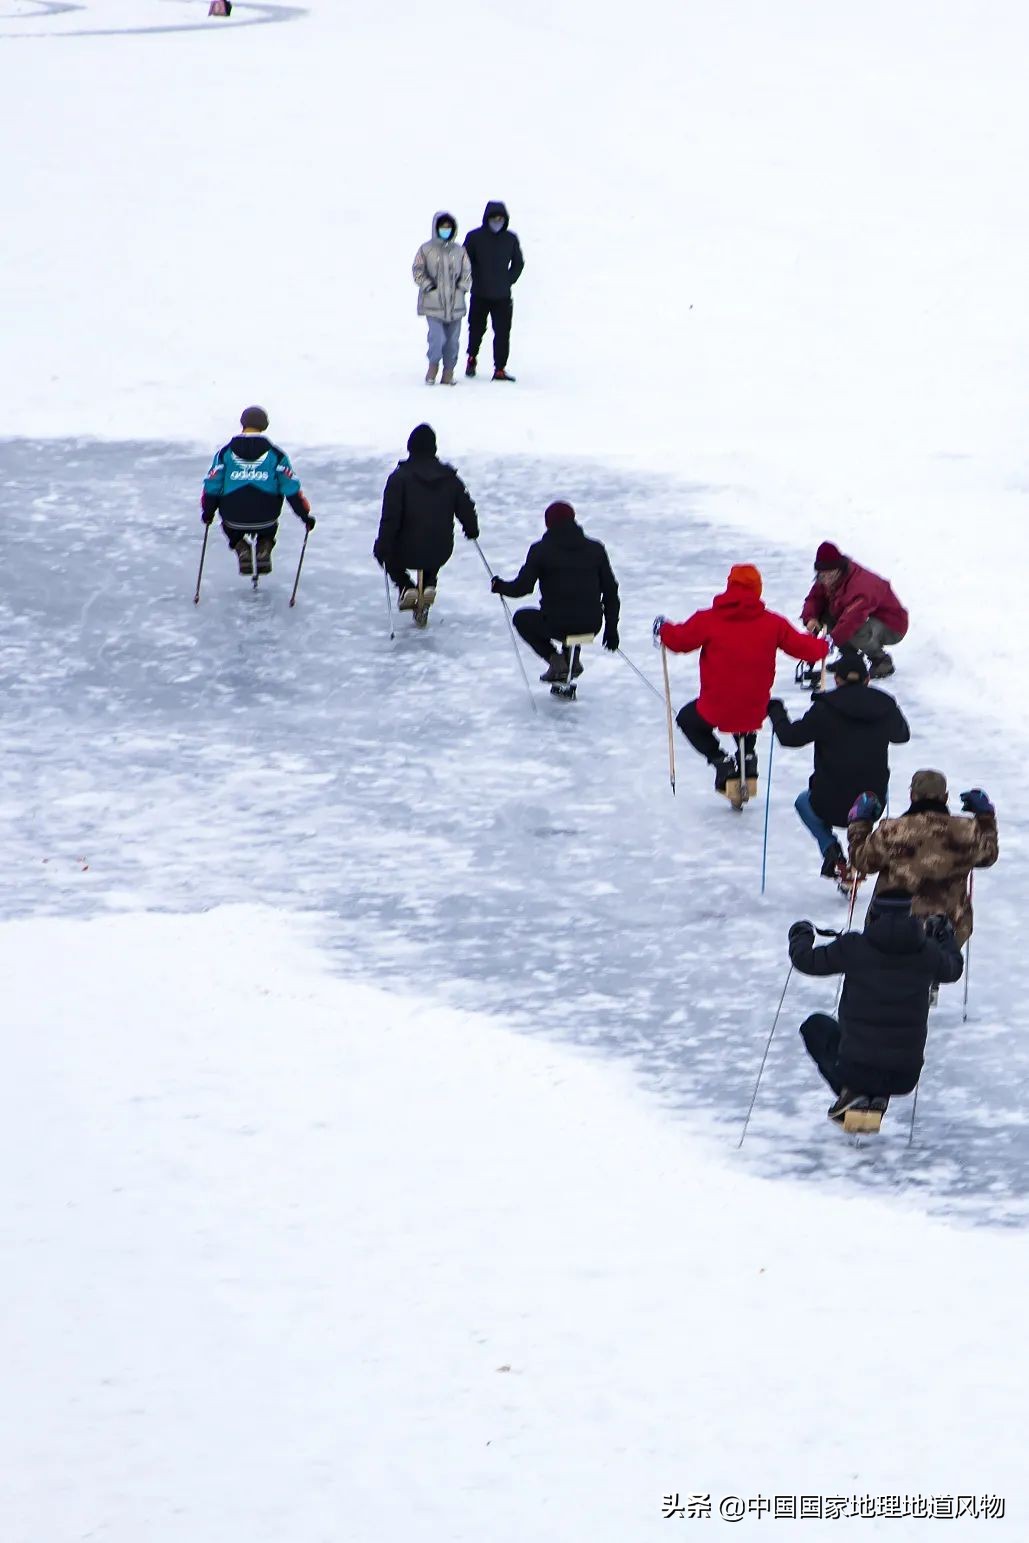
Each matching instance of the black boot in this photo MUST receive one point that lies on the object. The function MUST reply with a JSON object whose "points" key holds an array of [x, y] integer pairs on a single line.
{"points": [[726, 770], [245, 554], [264, 554], [834, 862]]}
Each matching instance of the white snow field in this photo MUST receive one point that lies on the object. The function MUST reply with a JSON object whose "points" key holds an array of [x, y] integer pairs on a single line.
{"points": [[377, 1048], [293, 1259]]}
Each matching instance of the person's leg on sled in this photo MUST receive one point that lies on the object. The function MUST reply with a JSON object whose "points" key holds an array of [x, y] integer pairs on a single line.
{"points": [[536, 629]]}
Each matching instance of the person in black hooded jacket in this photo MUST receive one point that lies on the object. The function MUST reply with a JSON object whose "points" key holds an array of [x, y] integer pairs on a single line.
{"points": [[852, 729], [420, 502], [495, 254], [877, 1046], [578, 591]]}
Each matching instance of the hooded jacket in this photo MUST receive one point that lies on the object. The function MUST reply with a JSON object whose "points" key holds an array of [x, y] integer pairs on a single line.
{"points": [[578, 590], [738, 639], [249, 478], [851, 729], [888, 970], [496, 257], [422, 498], [443, 274], [929, 852], [859, 595]]}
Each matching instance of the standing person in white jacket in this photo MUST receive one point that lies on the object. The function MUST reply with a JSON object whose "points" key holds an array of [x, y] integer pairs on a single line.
{"points": [[443, 274]]}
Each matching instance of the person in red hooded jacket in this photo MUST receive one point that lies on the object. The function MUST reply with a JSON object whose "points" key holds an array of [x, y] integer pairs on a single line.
{"points": [[857, 607], [738, 640]]}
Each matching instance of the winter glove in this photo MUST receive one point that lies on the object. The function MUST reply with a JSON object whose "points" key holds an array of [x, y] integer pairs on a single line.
{"points": [[801, 930], [472, 534], [310, 522], [659, 622], [495, 583], [865, 807], [975, 801], [776, 709], [611, 638], [812, 626], [939, 928], [207, 515]]}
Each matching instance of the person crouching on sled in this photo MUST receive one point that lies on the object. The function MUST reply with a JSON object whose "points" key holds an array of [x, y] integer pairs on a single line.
{"points": [[738, 640], [249, 478], [852, 729], [877, 1046]]}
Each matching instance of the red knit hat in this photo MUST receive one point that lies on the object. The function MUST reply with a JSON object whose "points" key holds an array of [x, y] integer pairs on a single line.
{"points": [[829, 556], [747, 576], [558, 514]]}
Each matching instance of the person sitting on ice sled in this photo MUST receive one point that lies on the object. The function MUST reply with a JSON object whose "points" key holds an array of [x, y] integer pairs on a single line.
{"points": [[420, 502], [578, 592], [852, 729], [857, 608], [248, 480], [927, 850], [876, 1048], [738, 641]]}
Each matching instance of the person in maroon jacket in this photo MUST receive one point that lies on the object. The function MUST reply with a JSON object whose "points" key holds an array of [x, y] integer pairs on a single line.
{"points": [[857, 608], [738, 640]]}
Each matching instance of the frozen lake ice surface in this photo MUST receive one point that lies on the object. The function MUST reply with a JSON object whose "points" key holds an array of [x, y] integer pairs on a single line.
{"points": [[456, 844]]}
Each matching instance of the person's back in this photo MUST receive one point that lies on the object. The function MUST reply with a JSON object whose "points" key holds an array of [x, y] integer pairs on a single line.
{"points": [[928, 851], [573, 573], [738, 638], [889, 969], [852, 729], [422, 498], [249, 478]]}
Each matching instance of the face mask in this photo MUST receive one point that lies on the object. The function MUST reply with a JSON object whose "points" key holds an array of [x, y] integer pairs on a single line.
{"points": [[445, 232], [496, 224]]}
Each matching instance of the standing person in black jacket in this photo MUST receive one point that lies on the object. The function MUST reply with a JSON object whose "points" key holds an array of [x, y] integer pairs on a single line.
{"points": [[578, 591], [497, 262], [852, 729], [420, 502], [878, 1045]]}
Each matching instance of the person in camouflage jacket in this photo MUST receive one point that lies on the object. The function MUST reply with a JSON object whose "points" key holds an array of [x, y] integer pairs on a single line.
{"points": [[927, 850]]}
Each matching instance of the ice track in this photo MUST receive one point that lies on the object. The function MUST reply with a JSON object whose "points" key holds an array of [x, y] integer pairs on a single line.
{"points": [[164, 756]]}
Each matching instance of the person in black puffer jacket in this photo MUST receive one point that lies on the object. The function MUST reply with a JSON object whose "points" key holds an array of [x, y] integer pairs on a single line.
{"points": [[578, 592], [877, 1046], [420, 502], [852, 729], [495, 254]]}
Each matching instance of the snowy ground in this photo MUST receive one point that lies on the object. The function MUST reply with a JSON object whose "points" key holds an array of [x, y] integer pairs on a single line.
{"points": [[774, 293], [294, 1261]]}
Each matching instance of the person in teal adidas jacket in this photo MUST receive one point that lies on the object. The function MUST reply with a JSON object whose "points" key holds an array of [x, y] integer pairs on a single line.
{"points": [[249, 478]]}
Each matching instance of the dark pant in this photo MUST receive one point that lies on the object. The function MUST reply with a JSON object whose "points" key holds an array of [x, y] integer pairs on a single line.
{"points": [[821, 1036], [265, 538], [539, 630], [403, 580], [703, 737], [873, 638], [480, 311]]}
